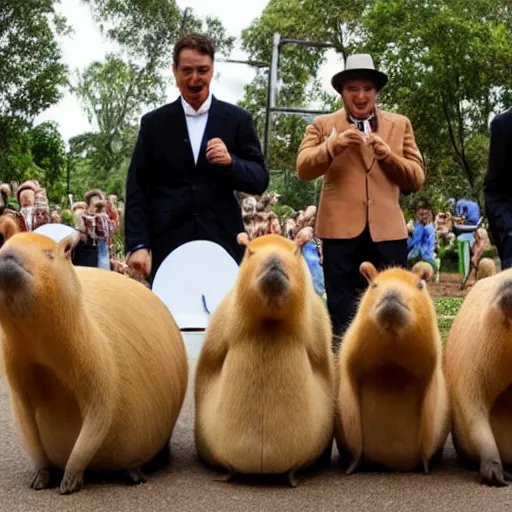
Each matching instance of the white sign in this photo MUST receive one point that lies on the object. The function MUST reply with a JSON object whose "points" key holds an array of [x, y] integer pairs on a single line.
{"points": [[192, 281]]}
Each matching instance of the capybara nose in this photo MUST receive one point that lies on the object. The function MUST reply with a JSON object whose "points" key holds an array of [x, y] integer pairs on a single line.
{"points": [[11, 267], [274, 279]]}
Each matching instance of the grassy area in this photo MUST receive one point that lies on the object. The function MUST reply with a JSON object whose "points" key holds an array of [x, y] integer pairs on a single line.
{"points": [[446, 308]]}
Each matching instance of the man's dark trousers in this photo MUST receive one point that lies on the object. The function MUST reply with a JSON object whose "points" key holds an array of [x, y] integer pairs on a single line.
{"points": [[343, 282]]}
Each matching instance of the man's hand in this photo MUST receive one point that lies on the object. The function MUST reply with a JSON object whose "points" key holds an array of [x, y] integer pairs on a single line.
{"points": [[217, 153], [339, 142], [140, 261], [380, 149]]}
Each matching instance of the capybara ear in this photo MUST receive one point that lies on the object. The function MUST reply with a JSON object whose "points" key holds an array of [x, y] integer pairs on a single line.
{"points": [[368, 270], [66, 245], [243, 238], [8, 228]]}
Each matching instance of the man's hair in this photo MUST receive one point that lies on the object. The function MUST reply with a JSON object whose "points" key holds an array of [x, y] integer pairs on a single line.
{"points": [[198, 42]]}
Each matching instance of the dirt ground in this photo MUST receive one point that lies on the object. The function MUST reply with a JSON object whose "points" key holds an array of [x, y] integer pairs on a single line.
{"points": [[450, 286]]}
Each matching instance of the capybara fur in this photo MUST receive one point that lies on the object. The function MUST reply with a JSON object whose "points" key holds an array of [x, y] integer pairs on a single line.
{"points": [[95, 363], [485, 268], [392, 401], [478, 361], [264, 388]]}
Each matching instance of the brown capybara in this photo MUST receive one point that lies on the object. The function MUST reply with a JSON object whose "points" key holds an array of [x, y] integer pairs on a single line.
{"points": [[264, 388], [478, 358], [392, 402], [95, 363], [485, 268], [424, 269]]}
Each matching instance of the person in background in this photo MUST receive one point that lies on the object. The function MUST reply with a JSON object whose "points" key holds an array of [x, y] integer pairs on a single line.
{"points": [[498, 186], [422, 242], [465, 208], [367, 157], [190, 158]]}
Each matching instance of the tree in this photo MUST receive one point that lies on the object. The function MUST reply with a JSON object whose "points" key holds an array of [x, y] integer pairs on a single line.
{"points": [[448, 63], [113, 94], [146, 29], [49, 154], [31, 73]]}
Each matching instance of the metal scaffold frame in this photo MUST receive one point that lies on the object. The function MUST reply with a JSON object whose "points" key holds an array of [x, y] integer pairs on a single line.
{"points": [[277, 44], [271, 107]]}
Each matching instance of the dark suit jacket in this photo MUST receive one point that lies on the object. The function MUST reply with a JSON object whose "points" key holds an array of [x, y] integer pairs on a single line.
{"points": [[170, 200], [498, 185]]}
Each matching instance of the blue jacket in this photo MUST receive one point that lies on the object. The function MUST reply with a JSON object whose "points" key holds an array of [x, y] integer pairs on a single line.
{"points": [[422, 243]]}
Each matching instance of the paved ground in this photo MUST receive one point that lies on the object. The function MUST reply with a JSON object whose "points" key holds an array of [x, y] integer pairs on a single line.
{"points": [[186, 486]]}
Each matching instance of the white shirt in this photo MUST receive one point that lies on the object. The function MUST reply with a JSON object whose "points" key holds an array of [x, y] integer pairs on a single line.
{"points": [[196, 123]]}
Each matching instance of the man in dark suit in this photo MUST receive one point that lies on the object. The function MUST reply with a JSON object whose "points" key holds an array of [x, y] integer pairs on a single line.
{"points": [[190, 158], [498, 186]]}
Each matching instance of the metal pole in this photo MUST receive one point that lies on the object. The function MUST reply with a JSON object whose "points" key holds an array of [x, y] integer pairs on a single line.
{"points": [[68, 171], [271, 86], [273, 69]]}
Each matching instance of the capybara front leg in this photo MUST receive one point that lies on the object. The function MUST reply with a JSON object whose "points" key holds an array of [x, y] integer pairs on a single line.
{"points": [[491, 469], [89, 441], [350, 420], [135, 477], [292, 478], [433, 421], [25, 414]]}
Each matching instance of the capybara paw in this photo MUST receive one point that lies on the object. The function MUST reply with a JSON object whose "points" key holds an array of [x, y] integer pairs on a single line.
{"points": [[72, 482], [135, 477], [353, 466], [227, 477], [492, 473], [41, 480], [292, 479]]}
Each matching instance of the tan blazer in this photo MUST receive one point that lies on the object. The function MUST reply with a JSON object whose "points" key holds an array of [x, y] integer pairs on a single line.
{"points": [[358, 189]]}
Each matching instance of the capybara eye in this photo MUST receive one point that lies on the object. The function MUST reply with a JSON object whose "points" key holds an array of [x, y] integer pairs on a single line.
{"points": [[50, 254], [420, 285], [374, 285]]}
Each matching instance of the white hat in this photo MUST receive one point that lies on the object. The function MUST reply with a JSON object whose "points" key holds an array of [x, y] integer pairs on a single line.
{"points": [[359, 65]]}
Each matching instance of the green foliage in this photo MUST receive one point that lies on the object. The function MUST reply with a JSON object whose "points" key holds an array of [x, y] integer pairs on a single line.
{"points": [[295, 194], [446, 310], [447, 64], [49, 154], [31, 77], [447, 306], [31, 71], [147, 29], [112, 93]]}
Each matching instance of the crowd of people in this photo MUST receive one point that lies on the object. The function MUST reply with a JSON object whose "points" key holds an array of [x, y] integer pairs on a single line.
{"points": [[25, 207]]}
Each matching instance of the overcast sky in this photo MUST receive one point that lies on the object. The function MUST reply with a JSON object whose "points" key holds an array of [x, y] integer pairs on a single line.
{"points": [[87, 45]]}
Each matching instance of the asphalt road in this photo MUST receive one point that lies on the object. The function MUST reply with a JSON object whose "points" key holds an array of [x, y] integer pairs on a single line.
{"points": [[186, 486]]}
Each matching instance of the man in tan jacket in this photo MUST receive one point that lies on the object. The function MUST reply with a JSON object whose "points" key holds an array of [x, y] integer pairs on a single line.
{"points": [[366, 157]]}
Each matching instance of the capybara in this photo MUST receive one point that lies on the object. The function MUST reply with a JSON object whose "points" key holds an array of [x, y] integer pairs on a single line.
{"points": [[392, 401], [265, 376], [95, 363], [485, 268], [478, 359]]}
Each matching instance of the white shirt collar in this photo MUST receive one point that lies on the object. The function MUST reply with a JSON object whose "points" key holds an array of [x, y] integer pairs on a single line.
{"points": [[203, 109]]}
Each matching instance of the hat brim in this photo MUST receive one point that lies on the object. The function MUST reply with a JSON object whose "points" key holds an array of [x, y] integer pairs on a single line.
{"points": [[379, 78]]}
